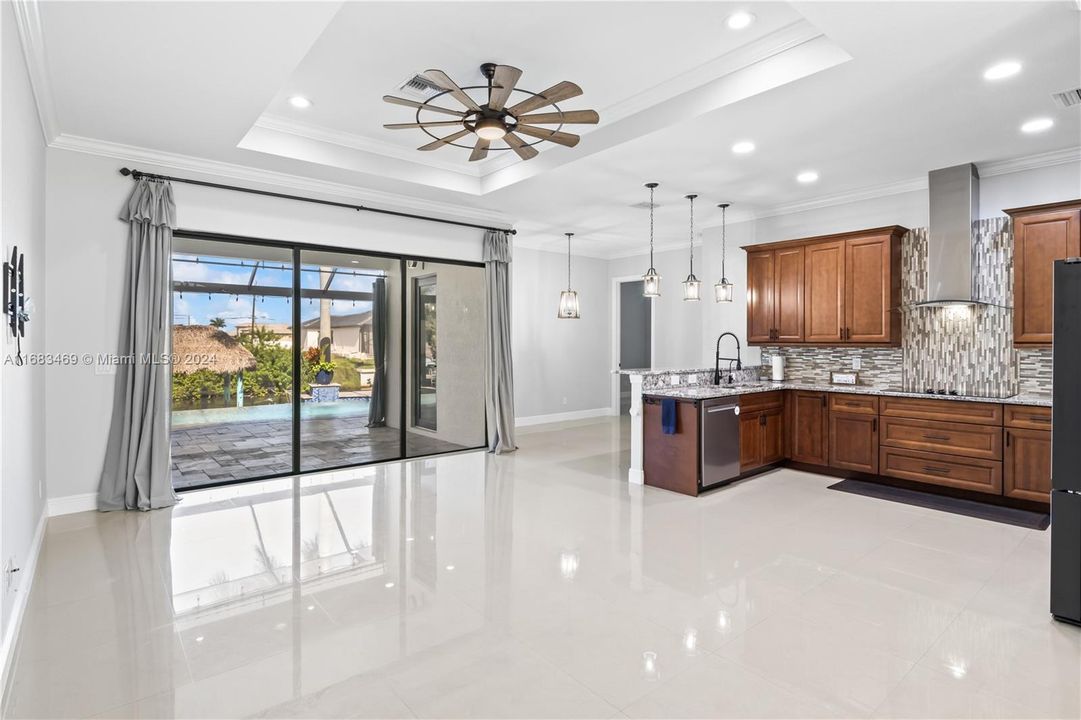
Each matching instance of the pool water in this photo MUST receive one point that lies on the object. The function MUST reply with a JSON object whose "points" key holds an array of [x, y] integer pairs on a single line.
{"points": [[353, 407]]}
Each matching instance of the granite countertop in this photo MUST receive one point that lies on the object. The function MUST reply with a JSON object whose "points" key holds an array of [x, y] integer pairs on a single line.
{"points": [[705, 392]]}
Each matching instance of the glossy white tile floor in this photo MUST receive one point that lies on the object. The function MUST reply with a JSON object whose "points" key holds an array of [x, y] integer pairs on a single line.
{"points": [[541, 585]]}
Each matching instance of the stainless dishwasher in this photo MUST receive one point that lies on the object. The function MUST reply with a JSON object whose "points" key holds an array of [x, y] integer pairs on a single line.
{"points": [[720, 441]]}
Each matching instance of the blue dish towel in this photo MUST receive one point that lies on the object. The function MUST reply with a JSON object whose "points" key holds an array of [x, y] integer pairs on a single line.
{"points": [[668, 416]]}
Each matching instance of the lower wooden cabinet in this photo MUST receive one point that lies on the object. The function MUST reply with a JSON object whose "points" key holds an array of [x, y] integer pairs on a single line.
{"points": [[808, 427], [1026, 464], [966, 473], [671, 461], [854, 442], [761, 430]]}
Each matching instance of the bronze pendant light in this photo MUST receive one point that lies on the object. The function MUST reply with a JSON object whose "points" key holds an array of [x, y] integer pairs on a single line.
{"points": [[568, 299], [651, 281], [692, 285], [722, 291]]}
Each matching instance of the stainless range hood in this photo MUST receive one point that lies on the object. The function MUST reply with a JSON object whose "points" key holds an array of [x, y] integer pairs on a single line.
{"points": [[954, 194]]}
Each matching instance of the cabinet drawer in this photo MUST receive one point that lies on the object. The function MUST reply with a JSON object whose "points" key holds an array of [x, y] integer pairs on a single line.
{"points": [[761, 401], [979, 441], [978, 413], [1028, 416], [966, 473], [856, 404]]}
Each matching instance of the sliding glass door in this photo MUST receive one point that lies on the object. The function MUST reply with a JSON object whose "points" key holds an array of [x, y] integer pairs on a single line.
{"points": [[232, 372], [294, 359], [350, 321]]}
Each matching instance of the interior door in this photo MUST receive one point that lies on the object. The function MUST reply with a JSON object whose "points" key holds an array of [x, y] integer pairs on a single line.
{"points": [[824, 292], [788, 294], [760, 287], [635, 334], [867, 289]]}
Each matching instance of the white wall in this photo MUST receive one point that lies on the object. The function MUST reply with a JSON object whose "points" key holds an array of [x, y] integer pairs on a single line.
{"points": [[560, 366], [22, 223]]}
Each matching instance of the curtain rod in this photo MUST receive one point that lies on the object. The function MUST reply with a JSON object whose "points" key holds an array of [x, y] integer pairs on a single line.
{"points": [[136, 174]]}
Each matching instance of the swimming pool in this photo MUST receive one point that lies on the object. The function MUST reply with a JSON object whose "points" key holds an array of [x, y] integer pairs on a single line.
{"points": [[351, 407]]}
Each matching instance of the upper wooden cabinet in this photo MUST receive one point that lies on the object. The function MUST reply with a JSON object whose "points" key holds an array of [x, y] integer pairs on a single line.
{"points": [[833, 289], [1041, 235]]}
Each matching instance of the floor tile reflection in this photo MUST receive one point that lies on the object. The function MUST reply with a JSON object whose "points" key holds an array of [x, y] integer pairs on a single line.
{"points": [[535, 585]]}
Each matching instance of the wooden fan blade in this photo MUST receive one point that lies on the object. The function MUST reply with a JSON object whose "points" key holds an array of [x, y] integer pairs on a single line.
{"points": [[506, 77], [557, 93], [480, 150], [441, 79], [573, 117], [568, 139], [518, 145], [414, 104], [403, 126], [444, 141]]}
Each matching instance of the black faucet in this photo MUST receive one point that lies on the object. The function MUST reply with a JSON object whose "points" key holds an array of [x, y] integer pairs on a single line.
{"points": [[717, 360]]}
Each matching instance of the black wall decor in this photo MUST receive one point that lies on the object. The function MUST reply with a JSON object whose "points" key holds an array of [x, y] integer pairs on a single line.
{"points": [[15, 299]]}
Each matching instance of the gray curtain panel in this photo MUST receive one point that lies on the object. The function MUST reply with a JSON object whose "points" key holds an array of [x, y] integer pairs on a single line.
{"points": [[135, 475], [498, 368], [377, 406]]}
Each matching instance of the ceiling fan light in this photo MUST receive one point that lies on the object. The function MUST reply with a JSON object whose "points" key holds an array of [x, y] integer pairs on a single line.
{"points": [[723, 291], [490, 128]]}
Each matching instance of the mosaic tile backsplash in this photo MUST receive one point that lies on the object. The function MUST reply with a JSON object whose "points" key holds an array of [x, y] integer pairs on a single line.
{"points": [[967, 349]]}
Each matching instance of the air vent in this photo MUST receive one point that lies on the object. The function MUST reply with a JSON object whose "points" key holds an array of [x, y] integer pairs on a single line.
{"points": [[419, 87], [1068, 98]]}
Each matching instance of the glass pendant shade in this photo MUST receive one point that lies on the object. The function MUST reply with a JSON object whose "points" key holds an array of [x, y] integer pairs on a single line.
{"points": [[651, 283], [568, 305], [691, 288], [722, 291]]}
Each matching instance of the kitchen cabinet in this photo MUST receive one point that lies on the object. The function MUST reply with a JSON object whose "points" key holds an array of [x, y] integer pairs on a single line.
{"points": [[760, 287], [964, 473], [761, 430], [824, 292], [808, 427], [1026, 461], [671, 461], [1041, 235], [872, 289], [834, 289], [853, 432]]}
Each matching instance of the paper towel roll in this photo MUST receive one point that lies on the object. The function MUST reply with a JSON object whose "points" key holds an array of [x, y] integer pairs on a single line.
{"points": [[778, 368]]}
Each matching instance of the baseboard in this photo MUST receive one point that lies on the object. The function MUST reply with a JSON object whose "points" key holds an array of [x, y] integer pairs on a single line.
{"points": [[561, 417], [69, 504], [26, 576]]}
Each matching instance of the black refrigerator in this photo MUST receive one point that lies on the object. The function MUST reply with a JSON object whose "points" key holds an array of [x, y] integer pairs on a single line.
{"points": [[1066, 445]]}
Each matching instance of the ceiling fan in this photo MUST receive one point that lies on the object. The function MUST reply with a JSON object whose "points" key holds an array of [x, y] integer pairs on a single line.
{"points": [[493, 120]]}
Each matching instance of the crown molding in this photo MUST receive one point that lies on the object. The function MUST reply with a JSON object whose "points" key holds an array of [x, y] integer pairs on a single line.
{"points": [[245, 173], [1030, 162], [289, 126], [31, 37]]}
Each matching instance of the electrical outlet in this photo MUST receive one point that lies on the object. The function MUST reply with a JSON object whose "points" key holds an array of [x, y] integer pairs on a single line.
{"points": [[674, 379], [690, 379], [857, 362], [564, 401]]}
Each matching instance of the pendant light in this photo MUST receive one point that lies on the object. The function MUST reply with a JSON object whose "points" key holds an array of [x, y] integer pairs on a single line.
{"points": [[568, 299], [722, 291], [692, 284], [651, 281]]}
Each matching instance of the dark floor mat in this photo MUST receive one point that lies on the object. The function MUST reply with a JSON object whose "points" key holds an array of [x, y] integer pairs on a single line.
{"points": [[996, 513]]}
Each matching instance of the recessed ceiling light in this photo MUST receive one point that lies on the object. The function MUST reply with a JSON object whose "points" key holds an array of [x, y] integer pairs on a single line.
{"points": [[300, 102], [743, 147], [739, 20], [807, 176], [1004, 69], [1037, 125]]}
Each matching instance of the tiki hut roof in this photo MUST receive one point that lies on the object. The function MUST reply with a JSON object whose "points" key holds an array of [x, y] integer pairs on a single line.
{"points": [[199, 347]]}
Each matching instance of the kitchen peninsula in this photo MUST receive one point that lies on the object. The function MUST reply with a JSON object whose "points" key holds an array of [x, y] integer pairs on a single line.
{"points": [[997, 449]]}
